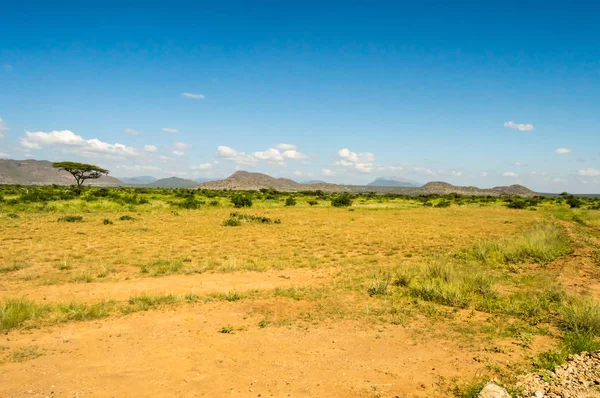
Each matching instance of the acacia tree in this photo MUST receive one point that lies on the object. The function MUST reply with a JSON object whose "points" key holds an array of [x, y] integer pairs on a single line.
{"points": [[81, 171]]}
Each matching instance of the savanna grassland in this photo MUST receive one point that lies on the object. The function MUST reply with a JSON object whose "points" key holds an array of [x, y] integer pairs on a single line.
{"points": [[206, 293]]}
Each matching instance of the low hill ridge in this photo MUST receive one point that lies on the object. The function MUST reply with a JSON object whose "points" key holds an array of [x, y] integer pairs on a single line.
{"points": [[247, 181], [41, 172]]}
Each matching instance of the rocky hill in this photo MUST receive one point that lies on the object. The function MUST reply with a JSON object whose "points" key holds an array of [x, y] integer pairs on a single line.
{"points": [[442, 188], [246, 181], [41, 172]]}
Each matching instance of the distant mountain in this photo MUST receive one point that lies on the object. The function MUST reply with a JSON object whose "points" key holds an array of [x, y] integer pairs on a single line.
{"points": [[313, 182], [138, 180], [41, 172], [394, 182], [172, 182], [202, 179], [243, 180], [442, 188]]}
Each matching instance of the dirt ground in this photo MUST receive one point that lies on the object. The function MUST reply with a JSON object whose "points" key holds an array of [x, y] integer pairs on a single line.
{"points": [[181, 350]]}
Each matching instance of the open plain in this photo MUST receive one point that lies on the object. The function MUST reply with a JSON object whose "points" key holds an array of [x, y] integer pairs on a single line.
{"points": [[178, 293]]}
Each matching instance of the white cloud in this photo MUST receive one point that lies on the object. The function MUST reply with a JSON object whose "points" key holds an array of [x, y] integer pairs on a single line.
{"points": [[131, 131], [150, 148], [203, 166], [425, 171], [483, 174], [193, 96], [287, 147], [4, 155], [347, 154], [589, 172], [453, 173], [328, 172], [169, 130], [298, 173], [1, 136], [68, 139], [270, 155], [519, 126], [227, 153], [362, 162], [3, 126], [178, 153], [518, 164], [293, 154], [563, 151], [181, 146], [164, 158], [510, 174]]}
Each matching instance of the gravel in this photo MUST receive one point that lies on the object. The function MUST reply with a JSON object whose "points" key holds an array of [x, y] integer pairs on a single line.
{"points": [[579, 377]]}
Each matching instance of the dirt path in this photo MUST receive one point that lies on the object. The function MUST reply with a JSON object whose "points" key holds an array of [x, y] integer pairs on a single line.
{"points": [[175, 284], [180, 353]]}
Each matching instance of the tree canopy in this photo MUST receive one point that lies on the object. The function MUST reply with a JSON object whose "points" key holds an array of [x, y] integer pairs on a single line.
{"points": [[81, 171]]}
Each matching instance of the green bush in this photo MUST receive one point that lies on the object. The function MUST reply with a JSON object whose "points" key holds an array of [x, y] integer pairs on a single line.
{"points": [[313, 202], [106, 221], [344, 200], [290, 201], [240, 201], [444, 203]]}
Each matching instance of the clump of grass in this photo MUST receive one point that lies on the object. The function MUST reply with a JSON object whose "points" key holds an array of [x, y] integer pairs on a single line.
{"points": [[403, 278], [13, 268], [162, 267], [23, 354], [70, 219], [83, 277], [264, 323], [126, 218], [232, 222], [12, 215], [107, 221], [542, 244], [580, 316], [145, 302], [15, 312], [226, 329], [379, 286], [452, 294]]}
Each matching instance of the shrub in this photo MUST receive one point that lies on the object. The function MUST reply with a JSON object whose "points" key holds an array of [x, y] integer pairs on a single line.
{"points": [[70, 219], [12, 215], [126, 218], [343, 200], [232, 222], [581, 317], [380, 285], [290, 201], [214, 203], [313, 202], [517, 204], [240, 201], [444, 203], [190, 203], [106, 221]]}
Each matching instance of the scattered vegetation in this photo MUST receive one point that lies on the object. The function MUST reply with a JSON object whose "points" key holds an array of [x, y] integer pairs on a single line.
{"points": [[70, 219]]}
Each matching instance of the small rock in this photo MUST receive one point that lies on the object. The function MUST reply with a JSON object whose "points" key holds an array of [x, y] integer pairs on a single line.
{"points": [[538, 394], [492, 390]]}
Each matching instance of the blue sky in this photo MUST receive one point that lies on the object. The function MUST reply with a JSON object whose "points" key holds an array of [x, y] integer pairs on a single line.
{"points": [[473, 93]]}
